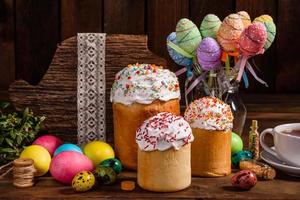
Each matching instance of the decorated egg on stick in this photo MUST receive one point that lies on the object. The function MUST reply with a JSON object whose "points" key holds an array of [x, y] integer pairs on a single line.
{"points": [[175, 52], [270, 26], [187, 35], [210, 26], [263, 18], [229, 32], [251, 43], [245, 18], [209, 54]]}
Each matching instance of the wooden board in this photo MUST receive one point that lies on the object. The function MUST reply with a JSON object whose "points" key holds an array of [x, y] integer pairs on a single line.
{"points": [[283, 188], [55, 95]]}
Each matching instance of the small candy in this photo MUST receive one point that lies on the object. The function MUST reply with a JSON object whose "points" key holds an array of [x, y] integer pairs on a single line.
{"points": [[253, 39], [187, 35], [210, 26], [245, 18], [105, 175], [263, 18], [209, 54], [261, 170], [239, 156], [229, 32], [244, 179], [236, 143], [127, 185], [176, 56], [83, 181], [114, 163]]}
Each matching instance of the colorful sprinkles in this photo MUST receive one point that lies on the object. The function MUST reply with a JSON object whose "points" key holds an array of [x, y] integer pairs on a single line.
{"points": [[209, 113], [144, 83], [163, 131]]}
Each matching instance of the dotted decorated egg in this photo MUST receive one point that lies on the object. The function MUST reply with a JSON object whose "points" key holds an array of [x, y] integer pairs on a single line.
{"points": [[105, 175], [83, 181], [244, 179], [114, 163], [239, 156]]}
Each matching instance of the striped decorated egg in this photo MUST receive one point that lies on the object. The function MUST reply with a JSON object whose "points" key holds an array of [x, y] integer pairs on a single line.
{"points": [[270, 26], [263, 18], [245, 18], [271, 33], [177, 57], [229, 32], [210, 26], [187, 35]]}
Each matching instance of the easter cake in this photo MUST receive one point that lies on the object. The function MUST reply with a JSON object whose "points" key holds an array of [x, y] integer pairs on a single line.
{"points": [[164, 153], [211, 121], [139, 92]]}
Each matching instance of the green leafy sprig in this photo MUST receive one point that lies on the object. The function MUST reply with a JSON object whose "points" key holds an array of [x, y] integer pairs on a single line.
{"points": [[17, 129]]}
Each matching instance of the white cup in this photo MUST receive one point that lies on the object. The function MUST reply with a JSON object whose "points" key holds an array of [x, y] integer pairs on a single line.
{"points": [[287, 147]]}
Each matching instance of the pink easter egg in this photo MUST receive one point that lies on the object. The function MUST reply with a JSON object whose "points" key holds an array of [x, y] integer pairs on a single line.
{"points": [[253, 39], [49, 142], [67, 164]]}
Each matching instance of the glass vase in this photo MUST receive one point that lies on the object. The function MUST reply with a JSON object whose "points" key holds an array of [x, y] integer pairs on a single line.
{"points": [[238, 108], [231, 96]]}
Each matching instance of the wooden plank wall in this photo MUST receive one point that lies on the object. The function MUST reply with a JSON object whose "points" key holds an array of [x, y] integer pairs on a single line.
{"points": [[31, 29]]}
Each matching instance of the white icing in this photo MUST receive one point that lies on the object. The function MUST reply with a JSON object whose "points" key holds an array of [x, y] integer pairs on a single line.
{"points": [[144, 83], [163, 131], [209, 113]]}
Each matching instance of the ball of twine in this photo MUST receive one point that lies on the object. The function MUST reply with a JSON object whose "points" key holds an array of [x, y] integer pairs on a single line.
{"points": [[23, 172]]}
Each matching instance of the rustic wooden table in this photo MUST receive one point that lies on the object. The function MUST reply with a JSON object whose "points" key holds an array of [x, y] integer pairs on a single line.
{"points": [[201, 188]]}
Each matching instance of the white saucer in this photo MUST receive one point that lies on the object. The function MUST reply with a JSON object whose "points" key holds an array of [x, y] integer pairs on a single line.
{"points": [[278, 164]]}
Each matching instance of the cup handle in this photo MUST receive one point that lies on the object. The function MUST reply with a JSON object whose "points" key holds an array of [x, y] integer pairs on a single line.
{"points": [[264, 145]]}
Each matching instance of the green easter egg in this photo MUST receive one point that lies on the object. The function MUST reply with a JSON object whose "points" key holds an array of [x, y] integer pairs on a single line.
{"points": [[210, 26], [105, 175], [187, 35], [114, 163], [271, 33], [236, 143]]}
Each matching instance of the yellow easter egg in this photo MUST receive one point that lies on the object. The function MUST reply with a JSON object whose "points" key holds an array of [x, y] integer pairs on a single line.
{"points": [[40, 156], [263, 18], [98, 151]]}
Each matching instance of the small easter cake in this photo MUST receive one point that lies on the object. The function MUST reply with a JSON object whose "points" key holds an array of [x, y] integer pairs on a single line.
{"points": [[139, 92], [164, 153], [211, 121]]}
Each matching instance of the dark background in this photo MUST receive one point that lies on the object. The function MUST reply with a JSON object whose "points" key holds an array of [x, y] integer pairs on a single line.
{"points": [[31, 29]]}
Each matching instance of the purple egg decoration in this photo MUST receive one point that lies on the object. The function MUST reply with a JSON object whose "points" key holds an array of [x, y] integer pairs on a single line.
{"points": [[209, 54], [178, 58]]}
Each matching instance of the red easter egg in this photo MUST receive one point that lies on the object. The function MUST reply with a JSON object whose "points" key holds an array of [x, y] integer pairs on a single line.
{"points": [[244, 179], [49, 142], [253, 39], [66, 165]]}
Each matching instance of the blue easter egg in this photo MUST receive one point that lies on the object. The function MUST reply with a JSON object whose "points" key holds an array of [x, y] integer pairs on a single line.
{"points": [[239, 156], [67, 147], [178, 58]]}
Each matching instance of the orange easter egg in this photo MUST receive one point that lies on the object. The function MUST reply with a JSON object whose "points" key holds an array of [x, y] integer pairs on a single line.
{"points": [[229, 32]]}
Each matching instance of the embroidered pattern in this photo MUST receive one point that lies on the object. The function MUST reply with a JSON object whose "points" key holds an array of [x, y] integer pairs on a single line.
{"points": [[91, 87]]}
